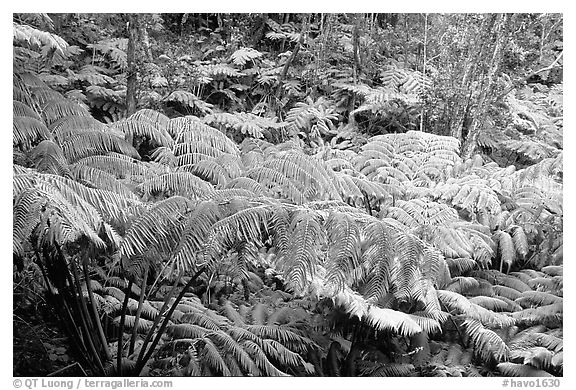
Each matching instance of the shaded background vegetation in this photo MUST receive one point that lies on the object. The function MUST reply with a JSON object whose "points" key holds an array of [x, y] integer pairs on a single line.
{"points": [[179, 180]]}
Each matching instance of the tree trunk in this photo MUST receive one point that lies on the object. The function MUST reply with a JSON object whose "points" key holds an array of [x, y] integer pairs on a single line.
{"points": [[132, 73], [484, 100], [146, 42]]}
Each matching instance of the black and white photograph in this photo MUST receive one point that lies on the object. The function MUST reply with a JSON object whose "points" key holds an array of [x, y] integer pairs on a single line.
{"points": [[303, 194]]}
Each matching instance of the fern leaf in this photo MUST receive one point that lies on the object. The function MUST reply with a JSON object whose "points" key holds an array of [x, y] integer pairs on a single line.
{"points": [[387, 319], [177, 183], [486, 342], [28, 130], [70, 125], [57, 109], [522, 370], [455, 301], [142, 128], [157, 227], [344, 243], [244, 54], [95, 142], [305, 240]]}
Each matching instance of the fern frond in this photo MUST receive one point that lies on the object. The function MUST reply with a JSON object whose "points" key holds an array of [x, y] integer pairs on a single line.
{"points": [[344, 244], [142, 128], [519, 239], [177, 183], [157, 227], [49, 158], [35, 38], [119, 165], [244, 54], [549, 314], [522, 370], [305, 239], [101, 179], [27, 130], [70, 125], [455, 301], [275, 181], [538, 298], [95, 142], [396, 321], [21, 109], [190, 100], [486, 342], [490, 303], [57, 109], [245, 225], [190, 129], [246, 183]]}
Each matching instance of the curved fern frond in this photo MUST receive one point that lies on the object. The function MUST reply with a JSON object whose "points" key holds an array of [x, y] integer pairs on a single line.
{"points": [[190, 129], [142, 128], [158, 227], [177, 183], [35, 38], [57, 109], [486, 342], [21, 109], [70, 125], [387, 319], [49, 158], [305, 239], [95, 142], [27, 130], [523, 370], [344, 243], [461, 304]]}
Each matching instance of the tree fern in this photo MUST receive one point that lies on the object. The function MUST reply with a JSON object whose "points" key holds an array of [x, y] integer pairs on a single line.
{"points": [[28, 130]]}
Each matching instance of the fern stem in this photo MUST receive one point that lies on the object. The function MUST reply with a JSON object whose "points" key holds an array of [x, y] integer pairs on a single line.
{"points": [[96, 316], [121, 329], [158, 318], [153, 288], [138, 311], [85, 316], [64, 312], [140, 364]]}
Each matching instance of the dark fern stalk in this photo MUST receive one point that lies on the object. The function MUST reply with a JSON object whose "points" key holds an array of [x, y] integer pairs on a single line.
{"points": [[65, 313], [75, 295], [95, 314], [158, 318], [121, 330], [140, 364], [138, 311]]}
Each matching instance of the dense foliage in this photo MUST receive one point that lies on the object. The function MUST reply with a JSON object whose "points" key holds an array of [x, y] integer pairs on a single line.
{"points": [[292, 194]]}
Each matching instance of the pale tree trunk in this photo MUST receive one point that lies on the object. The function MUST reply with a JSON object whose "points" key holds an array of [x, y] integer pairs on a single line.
{"points": [[479, 49], [484, 100], [424, 65], [356, 67], [146, 42], [131, 79]]}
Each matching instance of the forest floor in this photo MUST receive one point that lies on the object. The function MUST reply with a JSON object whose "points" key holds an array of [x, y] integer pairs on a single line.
{"points": [[40, 347]]}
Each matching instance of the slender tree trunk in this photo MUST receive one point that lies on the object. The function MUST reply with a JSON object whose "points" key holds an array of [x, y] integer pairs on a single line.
{"points": [[424, 65], [146, 42], [296, 49], [485, 100], [131, 59]]}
